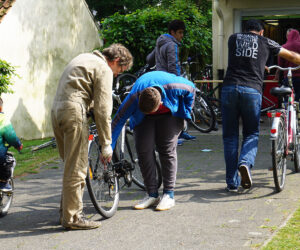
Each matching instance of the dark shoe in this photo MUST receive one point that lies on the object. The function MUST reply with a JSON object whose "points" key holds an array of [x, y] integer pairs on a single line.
{"points": [[215, 129], [179, 142], [5, 187], [246, 181], [187, 137], [231, 190], [82, 224]]}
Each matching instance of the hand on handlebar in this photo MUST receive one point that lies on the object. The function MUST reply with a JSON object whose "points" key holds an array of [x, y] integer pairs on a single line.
{"points": [[106, 154], [105, 160]]}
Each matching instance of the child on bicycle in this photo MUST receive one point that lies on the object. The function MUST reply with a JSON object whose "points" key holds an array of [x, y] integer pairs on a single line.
{"points": [[7, 136]]}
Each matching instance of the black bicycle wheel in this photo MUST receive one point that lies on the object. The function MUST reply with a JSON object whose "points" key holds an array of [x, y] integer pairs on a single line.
{"points": [[297, 148], [6, 199], [216, 105], [102, 183], [131, 155], [125, 79], [203, 116], [279, 156]]}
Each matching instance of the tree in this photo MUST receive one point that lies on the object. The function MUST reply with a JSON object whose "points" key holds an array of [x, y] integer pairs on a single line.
{"points": [[139, 30], [7, 72], [104, 8]]}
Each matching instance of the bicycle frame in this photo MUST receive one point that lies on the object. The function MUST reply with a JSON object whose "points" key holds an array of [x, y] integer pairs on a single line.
{"points": [[289, 113]]}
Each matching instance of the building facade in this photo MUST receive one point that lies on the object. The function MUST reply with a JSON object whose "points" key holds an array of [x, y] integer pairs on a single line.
{"points": [[229, 17], [39, 38]]}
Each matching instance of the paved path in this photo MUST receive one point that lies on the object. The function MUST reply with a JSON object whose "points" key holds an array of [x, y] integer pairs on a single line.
{"points": [[205, 216]]}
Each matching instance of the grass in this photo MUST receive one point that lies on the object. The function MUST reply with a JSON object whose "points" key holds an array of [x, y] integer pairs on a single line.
{"points": [[287, 237], [30, 162]]}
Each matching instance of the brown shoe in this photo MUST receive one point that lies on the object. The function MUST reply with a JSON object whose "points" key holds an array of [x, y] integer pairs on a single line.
{"points": [[82, 224]]}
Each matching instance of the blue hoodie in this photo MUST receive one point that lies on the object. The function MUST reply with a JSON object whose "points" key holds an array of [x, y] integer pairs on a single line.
{"points": [[178, 95]]}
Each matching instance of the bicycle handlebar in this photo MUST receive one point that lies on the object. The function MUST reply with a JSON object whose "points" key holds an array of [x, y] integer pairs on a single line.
{"points": [[284, 69]]}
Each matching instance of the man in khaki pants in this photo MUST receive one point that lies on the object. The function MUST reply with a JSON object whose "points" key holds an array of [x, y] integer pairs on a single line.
{"points": [[88, 77]]}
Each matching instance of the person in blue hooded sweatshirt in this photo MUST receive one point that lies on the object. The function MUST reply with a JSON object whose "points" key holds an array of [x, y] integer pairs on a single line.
{"points": [[157, 106]]}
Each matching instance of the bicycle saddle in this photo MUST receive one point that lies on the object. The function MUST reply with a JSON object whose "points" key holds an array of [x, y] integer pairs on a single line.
{"points": [[281, 91]]}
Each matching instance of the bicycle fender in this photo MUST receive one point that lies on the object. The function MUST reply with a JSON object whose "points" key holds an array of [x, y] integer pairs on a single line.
{"points": [[274, 128]]}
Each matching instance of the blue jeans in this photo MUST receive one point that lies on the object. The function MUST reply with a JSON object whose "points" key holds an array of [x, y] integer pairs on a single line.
{"points": [[245, 103]]}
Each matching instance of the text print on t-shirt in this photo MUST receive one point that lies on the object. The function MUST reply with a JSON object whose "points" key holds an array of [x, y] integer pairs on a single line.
{"points": [[246, 45]]}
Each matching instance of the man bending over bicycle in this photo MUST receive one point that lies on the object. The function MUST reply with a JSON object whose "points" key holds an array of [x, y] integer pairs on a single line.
{"points": [[157, 106], [7, 136]]}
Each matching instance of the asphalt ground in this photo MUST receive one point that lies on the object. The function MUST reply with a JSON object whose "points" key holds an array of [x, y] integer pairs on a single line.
{"points": [[205, 215]]}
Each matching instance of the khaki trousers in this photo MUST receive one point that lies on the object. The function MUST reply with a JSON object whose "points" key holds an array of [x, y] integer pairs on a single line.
{"points": [[70, 128]]}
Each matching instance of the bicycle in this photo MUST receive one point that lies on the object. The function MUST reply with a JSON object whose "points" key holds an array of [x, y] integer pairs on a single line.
{"points": [[51, 143], [7, 197], [212, 93], [128, 79], [284, 133], [203, 115], [103, 180]]}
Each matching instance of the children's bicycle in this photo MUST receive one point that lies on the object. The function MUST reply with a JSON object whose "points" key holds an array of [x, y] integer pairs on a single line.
{"points": [[284, 130], [6, 197]]}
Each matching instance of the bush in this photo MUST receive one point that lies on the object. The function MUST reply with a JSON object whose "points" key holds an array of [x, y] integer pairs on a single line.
{"points": [[7, 72], [139, 30]]}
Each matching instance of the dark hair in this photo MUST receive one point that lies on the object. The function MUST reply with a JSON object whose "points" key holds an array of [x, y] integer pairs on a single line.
{"points": [[1, 102], [176, 25], [149, 100], [254, 25]]}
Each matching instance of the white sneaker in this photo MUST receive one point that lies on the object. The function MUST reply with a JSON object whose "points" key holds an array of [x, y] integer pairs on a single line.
{"points": [[166, 203], [148, 201]]}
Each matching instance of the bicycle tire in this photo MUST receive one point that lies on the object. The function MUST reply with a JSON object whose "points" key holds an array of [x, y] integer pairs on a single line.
{"points": [[297, 149], [131, 155], [279, 156], [102, 183], [125, 79], [216, 105], [45, 145], [6, 199], [203, 116]]}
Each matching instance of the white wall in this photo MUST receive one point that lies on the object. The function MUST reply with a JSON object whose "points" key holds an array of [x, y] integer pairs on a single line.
{"points": [[232, 11], [40, 38]]}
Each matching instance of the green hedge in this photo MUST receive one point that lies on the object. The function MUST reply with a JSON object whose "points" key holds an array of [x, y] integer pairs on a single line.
{"points": [[139, 30], [7, 72]]}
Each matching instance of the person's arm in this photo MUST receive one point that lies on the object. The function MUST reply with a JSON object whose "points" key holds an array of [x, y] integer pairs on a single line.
{"points": [[151, 58], [289, 55], [103, 107], [189, 100], [10, 136], [127, 108], [172, 55]]}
